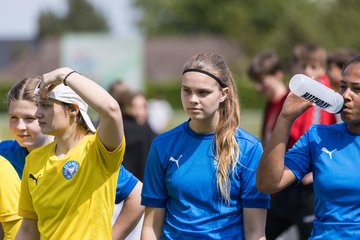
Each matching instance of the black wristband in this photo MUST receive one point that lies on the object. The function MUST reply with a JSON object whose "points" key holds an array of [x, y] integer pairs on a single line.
{"points": [[64, 81]]}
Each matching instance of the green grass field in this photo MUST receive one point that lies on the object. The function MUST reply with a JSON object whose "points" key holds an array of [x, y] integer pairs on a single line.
{"points": [[250, 120]]}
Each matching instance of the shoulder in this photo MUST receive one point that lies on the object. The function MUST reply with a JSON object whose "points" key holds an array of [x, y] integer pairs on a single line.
{"points": [[6, 168], [333, 128], [40, 151], [244, 136], [9, 145], [3, 162], [171, 134]]}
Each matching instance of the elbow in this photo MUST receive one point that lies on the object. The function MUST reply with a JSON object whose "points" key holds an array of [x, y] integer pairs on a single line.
{"points": [[265, 185], [261, 186], [113, 109]]}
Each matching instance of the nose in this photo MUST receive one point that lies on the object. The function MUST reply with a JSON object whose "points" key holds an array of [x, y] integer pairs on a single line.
{"points": [[346, 94], [21, 125], [39, 114], [193, 98]]}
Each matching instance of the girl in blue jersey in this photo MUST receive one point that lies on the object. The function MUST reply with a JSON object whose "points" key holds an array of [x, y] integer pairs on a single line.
{"points": [[199, 179], [331, 152], [26, 132]]}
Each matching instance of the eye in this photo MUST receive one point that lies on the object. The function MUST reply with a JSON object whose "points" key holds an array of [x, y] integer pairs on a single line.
{"points": [[30, 118], [186, 90], [356, 89], [204, 93], [342, 87]]}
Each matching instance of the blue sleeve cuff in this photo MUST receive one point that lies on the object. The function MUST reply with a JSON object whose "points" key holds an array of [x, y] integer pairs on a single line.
{"points": [[120, 196], [151, 202], [256, 203], [294, 168]]}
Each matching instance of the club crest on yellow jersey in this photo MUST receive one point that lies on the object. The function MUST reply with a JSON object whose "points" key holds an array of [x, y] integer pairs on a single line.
{"points": [[69, 169]]}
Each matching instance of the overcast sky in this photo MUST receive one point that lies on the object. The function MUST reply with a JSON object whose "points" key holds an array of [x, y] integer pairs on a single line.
{"points": [[18, 18]]}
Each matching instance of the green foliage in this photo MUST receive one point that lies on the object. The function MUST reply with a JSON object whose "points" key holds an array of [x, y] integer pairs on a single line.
{"points": [[4, 89], [82, 17], [170, 91], [257, 24]]}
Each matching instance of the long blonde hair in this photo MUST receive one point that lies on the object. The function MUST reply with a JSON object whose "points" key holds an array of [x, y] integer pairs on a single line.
{"points": [[226, 149]]}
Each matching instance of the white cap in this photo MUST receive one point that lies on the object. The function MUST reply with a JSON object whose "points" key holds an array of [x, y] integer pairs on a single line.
{"points": [[65, 94]]}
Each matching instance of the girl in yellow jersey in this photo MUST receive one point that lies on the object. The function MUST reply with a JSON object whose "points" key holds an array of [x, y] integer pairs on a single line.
{"points": [[68, 186], [9, 199]]}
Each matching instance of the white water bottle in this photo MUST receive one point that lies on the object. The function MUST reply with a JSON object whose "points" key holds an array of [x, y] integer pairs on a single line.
{"points": [[311, 90]]}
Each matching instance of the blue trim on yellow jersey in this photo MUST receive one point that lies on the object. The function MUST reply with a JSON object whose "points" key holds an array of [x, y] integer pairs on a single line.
{"points": [[15, 154]]}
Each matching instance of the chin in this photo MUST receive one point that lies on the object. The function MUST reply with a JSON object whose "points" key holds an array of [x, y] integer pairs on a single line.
{"points": [[25, 144]]}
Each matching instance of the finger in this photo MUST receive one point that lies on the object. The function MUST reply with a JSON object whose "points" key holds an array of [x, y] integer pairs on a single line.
{"points": [[42, 90], [51, 87]]}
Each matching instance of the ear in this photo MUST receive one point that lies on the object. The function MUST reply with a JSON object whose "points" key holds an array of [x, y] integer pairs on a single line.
{"points": [[224, 94], [74, 110]]}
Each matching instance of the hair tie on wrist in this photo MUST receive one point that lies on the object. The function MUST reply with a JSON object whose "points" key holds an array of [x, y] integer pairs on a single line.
{"points": [[64, 81]]}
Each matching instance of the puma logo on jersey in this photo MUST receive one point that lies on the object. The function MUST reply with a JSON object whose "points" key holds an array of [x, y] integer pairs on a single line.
{"points": [[172, 159], [34, 178], [328, 152]]}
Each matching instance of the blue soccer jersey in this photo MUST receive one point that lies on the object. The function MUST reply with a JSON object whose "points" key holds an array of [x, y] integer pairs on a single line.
{"points": [[15, 154], [332, 153], [125, 184], [180, 176]]}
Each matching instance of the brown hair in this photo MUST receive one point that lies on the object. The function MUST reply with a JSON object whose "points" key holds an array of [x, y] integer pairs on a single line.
{"points": [[226, 149], [264, 63], [308, 53], [23, 90], [341, 56], [121, 92]]}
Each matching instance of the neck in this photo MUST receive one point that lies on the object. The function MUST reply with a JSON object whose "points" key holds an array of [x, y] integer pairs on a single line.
{"points": [[204, 126], [354, 128], [67, 141], [45, 140]]}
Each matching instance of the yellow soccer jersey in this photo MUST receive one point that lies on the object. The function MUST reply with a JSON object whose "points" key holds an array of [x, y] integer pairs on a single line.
{"points": [[71, 197], [9, 199]]}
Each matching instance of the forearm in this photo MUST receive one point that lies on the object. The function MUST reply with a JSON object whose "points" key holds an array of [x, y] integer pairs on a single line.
{"points": [[153, 223], [254, 223], [271, 167], [130, 214], [1, 232], [28, 230], [92, 93], [111, 127]]}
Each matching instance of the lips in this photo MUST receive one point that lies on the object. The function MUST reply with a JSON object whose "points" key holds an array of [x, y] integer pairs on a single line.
{"points": [[23, 136], [194, 109]]}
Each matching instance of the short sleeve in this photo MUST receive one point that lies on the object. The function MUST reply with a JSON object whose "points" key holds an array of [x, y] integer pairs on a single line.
{"points": [[125, 184], [298, 158], [9, 192], [251, 196], [154, 192], [117, 154]]}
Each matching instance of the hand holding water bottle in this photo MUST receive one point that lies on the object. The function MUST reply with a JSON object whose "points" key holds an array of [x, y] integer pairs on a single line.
{"points": [[313, 91]]}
